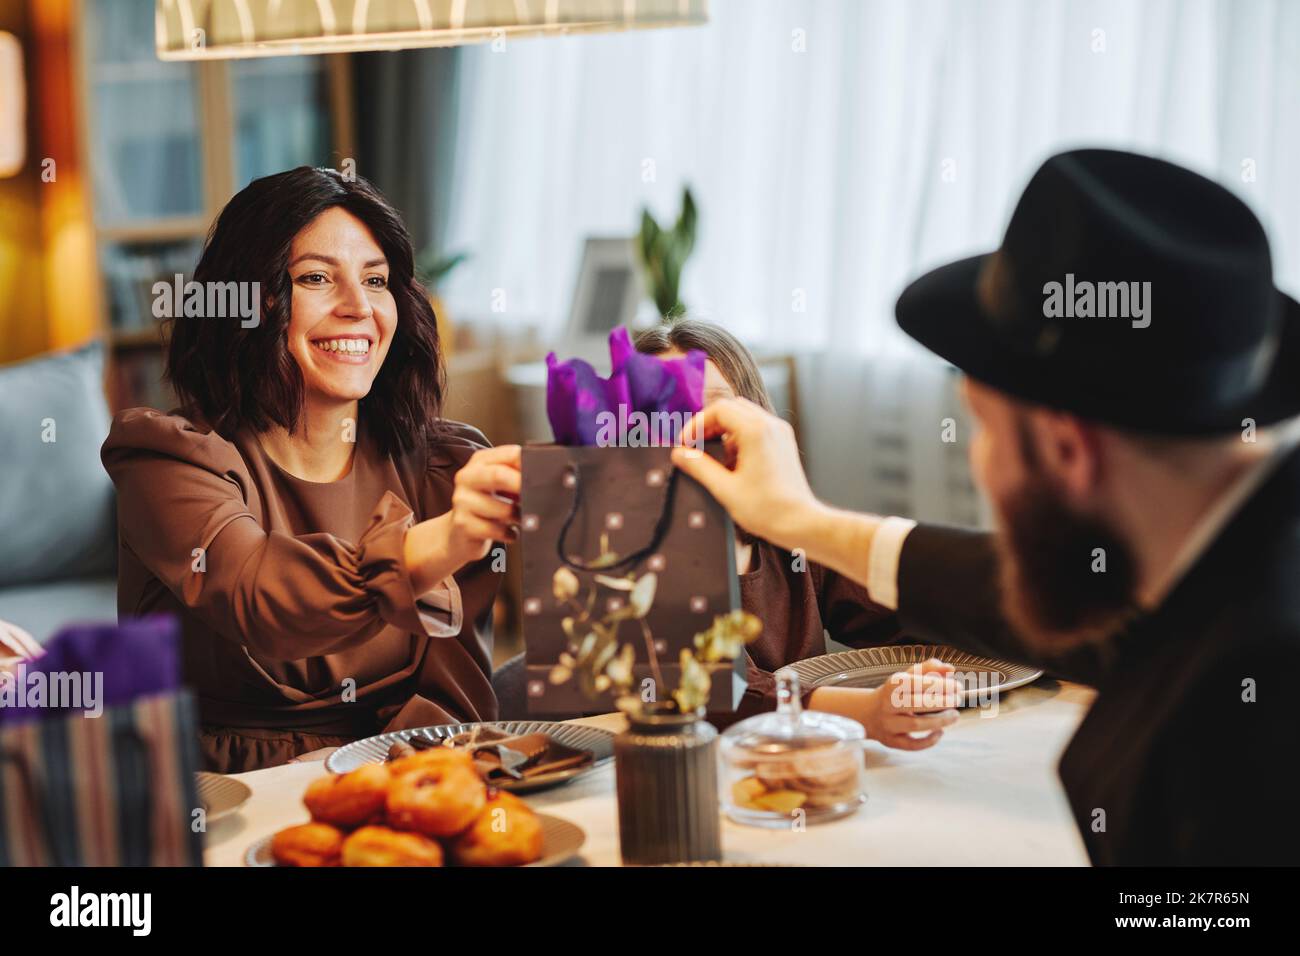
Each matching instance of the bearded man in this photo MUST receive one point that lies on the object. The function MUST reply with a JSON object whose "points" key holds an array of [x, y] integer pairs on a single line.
{"points": [[1145, 482]]}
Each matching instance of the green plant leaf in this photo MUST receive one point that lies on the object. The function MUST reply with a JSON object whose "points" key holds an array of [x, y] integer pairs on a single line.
{"points": [[664, 254], [431, 268], [686, 223], [650, 232], [672, 273]]}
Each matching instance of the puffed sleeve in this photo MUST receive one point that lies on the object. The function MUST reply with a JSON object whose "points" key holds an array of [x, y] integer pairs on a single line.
{"points": [[183, 509]]}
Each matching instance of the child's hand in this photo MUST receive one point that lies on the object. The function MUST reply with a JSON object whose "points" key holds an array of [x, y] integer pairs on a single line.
{"points": [[919, 700]]}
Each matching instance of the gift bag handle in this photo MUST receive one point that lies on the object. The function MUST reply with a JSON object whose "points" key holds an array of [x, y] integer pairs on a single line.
{"points": [[661, 526]]}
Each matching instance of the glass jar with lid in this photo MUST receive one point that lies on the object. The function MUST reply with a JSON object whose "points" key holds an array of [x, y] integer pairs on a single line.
{"points": [[792, 763]]}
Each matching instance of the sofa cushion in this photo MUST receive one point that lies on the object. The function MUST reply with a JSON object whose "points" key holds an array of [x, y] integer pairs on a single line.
{"points": [[42, 609], [56, 501]]}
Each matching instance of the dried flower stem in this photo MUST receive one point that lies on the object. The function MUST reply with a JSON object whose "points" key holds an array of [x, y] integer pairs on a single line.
{"points": [[653, 655]]}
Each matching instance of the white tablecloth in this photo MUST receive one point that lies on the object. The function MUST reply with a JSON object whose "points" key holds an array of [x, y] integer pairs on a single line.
{"points": [[987, 794]]}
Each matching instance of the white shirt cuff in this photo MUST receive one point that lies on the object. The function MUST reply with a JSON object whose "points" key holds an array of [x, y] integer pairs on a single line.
{"points": [[440, 609], [882, 562]]}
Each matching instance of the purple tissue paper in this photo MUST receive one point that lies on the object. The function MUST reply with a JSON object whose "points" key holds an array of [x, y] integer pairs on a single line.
{"points": [[582, 406]]}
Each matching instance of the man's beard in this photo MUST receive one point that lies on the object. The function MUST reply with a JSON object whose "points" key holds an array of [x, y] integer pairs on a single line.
{"points": [[1051, 594]]}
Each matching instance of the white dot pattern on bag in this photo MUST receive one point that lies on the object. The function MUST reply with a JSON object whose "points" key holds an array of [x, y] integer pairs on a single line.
{"points": [[699, 604], [696, 519]]}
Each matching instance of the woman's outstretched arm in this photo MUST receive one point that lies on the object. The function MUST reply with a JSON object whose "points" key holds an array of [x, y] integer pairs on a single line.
{"points": [[183, 512]]}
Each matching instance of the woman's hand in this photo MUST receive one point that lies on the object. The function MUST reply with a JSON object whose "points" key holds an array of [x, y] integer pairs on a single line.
{"points": [[918, 700], [484, 508], [485, 502]]}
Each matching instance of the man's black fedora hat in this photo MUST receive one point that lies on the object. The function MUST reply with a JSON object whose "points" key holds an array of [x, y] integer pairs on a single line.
{"points": [[1127, 290]]}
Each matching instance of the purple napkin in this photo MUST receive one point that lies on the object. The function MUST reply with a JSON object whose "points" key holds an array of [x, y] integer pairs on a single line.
{"points": [[582, 406], [94, 667]]}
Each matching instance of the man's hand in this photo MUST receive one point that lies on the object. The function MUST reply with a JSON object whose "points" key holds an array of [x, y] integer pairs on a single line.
{"points": [[765, 489]]}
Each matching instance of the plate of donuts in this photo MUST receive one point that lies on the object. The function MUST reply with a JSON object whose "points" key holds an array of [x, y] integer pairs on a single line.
{"points": [[561, 841], [432, 808], [372, 750]]}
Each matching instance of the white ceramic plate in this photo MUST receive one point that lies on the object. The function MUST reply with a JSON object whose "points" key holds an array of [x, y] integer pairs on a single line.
{"points": [[221, 795]]}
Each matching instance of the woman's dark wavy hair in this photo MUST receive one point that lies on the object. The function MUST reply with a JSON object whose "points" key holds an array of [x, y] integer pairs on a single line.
{"points": [[236, 377]]}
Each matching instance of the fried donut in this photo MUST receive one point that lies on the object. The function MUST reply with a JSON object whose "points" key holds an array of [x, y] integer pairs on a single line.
{"points": [[438, 800], [433, 757], [308, 844], [506, 833], [350, 799], [380, 846]]}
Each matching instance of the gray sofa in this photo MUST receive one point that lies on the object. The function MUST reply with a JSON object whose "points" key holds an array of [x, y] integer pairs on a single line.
{"points": [[58, 538]]}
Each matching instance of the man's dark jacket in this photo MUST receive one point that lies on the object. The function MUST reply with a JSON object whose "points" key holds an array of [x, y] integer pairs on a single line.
{"points": [[1189, 754]]}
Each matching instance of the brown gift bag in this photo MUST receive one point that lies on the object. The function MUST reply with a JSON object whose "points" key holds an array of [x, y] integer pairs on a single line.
{"points": [[605, 513]]}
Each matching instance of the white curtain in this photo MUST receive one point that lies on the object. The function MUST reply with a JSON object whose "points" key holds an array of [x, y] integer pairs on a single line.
{"points": [[837, 148]]}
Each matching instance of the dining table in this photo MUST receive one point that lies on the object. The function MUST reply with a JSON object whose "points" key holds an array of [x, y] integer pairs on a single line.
{"points": [[987, 794]]}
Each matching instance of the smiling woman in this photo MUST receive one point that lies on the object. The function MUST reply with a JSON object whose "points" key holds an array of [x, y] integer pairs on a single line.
{"points": [[333, 262], [316, 525]]}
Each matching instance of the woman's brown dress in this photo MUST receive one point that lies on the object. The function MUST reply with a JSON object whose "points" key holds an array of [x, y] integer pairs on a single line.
{"points": [[301, 629]]}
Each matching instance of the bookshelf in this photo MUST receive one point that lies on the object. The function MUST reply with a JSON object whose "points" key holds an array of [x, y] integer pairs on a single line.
{"points": [[167, 145]]}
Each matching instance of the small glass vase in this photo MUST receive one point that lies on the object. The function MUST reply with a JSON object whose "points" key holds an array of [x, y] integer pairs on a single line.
{"points": [[667, 769]]}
